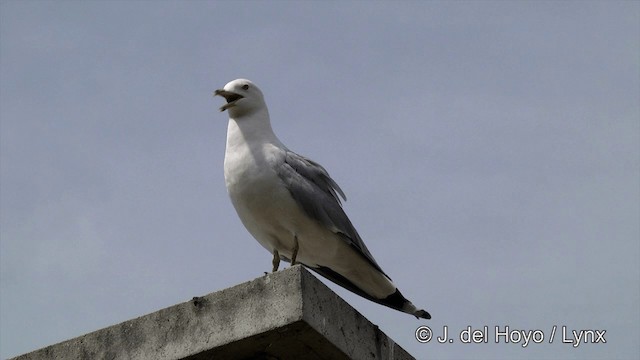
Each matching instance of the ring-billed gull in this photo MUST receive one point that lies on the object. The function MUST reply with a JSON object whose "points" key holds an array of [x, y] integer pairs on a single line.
{"points": [[291, 205]]}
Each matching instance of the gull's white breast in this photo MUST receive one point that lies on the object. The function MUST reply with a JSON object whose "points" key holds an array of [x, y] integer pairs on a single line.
{"points": [[257, 193], [272, 216]]}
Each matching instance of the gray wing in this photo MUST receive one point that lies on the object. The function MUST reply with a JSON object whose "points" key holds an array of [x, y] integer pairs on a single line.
{"points": [[317, 194]]}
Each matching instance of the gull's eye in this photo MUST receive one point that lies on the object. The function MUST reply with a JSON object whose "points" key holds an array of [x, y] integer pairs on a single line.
{"points": [[245, 87]]}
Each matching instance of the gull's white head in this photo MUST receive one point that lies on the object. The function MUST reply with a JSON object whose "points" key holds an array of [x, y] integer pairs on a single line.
{"points": [[243, 98]]}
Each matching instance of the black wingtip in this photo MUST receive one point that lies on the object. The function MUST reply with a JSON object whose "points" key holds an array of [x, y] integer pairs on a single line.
{"points": [[395, 301], [398, 302], [422, 314]]}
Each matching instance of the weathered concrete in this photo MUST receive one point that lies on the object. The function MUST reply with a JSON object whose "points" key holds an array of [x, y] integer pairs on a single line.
{"points": [[286, 315]]}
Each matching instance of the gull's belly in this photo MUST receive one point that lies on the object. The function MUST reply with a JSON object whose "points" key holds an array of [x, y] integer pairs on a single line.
{"points": [[264, 212], [261, 200], [272, 216]]}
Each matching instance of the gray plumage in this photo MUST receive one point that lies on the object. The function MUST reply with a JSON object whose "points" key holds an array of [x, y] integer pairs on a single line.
{"points": [[317, 194]]}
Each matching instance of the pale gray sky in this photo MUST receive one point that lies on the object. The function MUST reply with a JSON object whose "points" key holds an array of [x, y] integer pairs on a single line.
{"points": [[490, 152]]}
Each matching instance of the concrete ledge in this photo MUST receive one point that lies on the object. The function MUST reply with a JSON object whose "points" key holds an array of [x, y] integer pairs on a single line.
{"points": [[286, 315]]}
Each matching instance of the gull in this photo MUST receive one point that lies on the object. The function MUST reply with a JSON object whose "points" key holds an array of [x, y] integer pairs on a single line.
{"points": [[291, 205]]}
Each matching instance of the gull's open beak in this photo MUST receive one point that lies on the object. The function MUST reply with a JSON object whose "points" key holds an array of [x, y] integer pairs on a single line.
{"points": [[231, 98]]}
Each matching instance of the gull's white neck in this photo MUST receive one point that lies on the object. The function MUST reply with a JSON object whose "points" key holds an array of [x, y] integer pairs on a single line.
{"points": [[251, 144], [251, 130]]}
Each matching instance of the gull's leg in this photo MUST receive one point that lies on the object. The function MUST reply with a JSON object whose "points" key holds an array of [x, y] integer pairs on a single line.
{"points": [[276, 260], [296, 246]]}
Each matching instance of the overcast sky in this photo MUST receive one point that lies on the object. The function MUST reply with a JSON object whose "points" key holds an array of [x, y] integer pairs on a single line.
{"points": [[490, 152]]}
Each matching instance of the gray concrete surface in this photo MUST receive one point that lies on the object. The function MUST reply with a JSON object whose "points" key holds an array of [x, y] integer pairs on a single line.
{"points": [[286, 315]]}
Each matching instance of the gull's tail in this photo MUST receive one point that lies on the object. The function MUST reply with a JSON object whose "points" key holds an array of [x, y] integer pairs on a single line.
{"points": [[395, 301]]}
